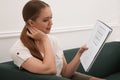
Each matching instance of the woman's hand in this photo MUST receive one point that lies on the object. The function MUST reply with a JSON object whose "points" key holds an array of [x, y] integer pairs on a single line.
{"points": [[36, 34], [82, 49]]}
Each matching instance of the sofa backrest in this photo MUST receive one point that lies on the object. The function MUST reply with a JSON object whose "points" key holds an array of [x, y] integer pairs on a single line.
{"points": [[107, 62]]}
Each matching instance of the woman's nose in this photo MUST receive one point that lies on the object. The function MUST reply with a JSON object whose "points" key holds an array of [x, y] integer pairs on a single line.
{"points": [[51, 22]]}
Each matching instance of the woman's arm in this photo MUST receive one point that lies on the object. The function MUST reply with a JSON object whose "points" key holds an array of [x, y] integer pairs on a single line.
{"points": [[69, 69], [48, 65]]}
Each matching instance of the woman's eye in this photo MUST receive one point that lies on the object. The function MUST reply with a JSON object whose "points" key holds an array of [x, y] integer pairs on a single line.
{"points": [[45, 20]]}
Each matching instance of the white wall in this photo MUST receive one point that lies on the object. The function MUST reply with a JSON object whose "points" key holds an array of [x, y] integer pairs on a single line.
{"points": [[65, 13], [73, 21]]}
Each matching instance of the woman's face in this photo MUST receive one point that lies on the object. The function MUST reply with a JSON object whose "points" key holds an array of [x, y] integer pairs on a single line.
{"points": [[44, 21]]}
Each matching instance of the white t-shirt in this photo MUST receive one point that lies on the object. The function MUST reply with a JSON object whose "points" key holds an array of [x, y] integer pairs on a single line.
{"points": [[20, 53]]}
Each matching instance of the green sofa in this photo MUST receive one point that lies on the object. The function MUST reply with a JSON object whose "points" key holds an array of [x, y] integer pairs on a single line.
{"points": [[107, 65]]}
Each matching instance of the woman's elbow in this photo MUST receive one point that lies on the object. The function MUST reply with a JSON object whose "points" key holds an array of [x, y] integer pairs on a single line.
{"points": [[50, 70], [53, 71]]}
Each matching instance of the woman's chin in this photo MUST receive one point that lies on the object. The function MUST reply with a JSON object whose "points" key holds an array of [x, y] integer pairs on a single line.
{"points": [[47, 32]]}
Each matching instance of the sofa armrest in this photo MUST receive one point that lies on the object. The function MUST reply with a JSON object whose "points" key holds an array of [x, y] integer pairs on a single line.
{"points": [[115, 76], [8, 71]]}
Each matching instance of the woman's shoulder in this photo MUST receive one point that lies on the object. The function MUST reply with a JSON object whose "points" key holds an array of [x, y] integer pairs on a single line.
{"points": [[19, 53], [18, 45]]}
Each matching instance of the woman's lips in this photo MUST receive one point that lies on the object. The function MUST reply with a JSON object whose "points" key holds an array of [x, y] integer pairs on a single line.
{"points": [[48, 28]]}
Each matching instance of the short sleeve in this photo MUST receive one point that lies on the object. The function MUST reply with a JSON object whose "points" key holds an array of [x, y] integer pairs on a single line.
{"points": [[19, 53]]}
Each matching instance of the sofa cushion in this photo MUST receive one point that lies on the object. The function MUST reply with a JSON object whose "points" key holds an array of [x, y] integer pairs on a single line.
{"points": [[70, 53], [8, 71], [107, 62]]}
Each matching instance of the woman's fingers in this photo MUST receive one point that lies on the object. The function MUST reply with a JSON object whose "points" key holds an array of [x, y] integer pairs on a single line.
{"points": [[37, 30], [35, 33], [29, 34], [31, 30], [34, 30], [83, 48]]}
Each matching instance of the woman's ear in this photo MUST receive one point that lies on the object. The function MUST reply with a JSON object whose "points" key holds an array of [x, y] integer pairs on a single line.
{"points": [[31, 22]]}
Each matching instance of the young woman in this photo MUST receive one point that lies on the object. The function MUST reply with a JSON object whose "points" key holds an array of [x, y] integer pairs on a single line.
{"points": [[37, 51]]}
